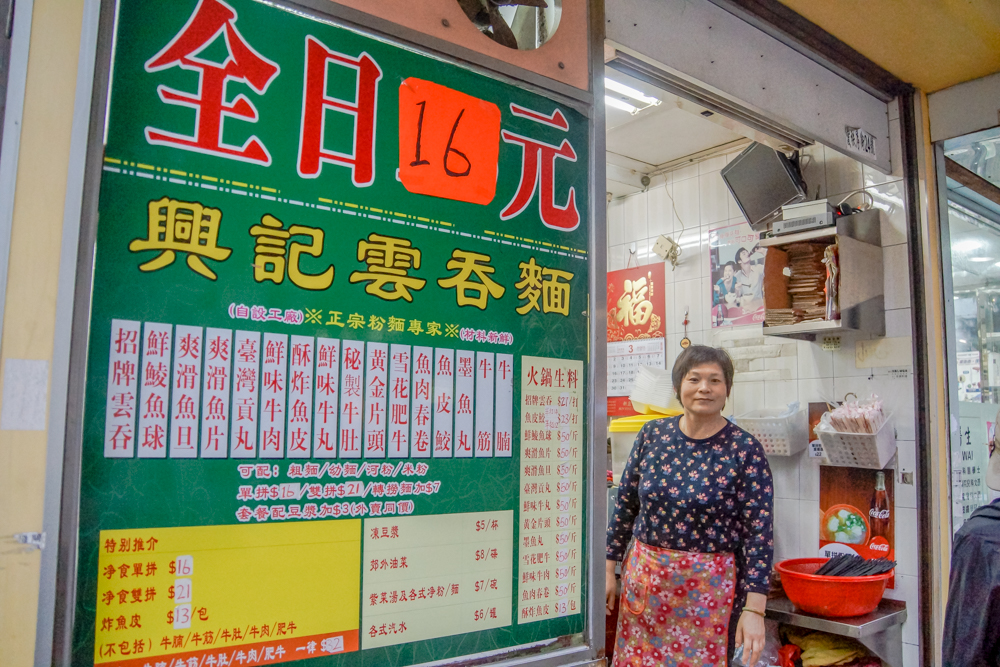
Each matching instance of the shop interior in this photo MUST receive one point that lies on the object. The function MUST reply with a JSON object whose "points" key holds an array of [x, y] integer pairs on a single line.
{"points": [[973, 238], [668, 203]]}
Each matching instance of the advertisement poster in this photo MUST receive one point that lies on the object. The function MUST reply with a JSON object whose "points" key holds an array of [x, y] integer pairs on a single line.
{"points": [[856, 512], [737, 267], [970, 377], [636, 330], [336, 369]]}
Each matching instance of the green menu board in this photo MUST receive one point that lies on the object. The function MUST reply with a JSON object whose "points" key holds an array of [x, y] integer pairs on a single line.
{"points": [[337, 354]]}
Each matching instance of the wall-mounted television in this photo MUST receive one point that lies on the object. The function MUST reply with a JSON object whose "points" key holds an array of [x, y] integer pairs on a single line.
{"points": [[762, 180]]}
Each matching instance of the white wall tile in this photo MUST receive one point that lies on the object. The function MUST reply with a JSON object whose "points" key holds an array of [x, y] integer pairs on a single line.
{"points": [[858, 385], [814, 390], [813, 361], [898, 323], [896, 268], [659, 211], [911, 655], [748, 396], [809, 482], [907, 590], [706, 311], [616, 257], [843, 174], [634, 219], [778, 394], [687, 203], [888, 197], [897, 397], [714, 198], [786, 540], [905, 495], [845, 359], [688, 295], [808, 528], [785, 471], [684, 173], [689, 267], [907, 546], [712, 164], [616, 230]]}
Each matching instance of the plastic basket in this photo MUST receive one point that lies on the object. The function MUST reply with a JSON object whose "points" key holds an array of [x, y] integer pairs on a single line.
{"points": [[860, 450], [780, 436]]}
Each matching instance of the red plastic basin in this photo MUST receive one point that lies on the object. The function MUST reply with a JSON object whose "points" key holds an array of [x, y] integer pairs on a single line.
{"points": [[835, 597]]}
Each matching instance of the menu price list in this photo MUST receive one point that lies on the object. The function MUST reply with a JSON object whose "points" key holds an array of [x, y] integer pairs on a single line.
{"points": [[173, 595], [435, 576], [551, 491]]}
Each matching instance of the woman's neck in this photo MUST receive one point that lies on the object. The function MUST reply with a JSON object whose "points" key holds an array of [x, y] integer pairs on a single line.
{"points": [[701, 426]]}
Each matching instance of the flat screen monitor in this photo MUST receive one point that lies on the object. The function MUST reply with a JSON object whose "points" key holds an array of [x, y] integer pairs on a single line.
{"points": [[762, 180]]}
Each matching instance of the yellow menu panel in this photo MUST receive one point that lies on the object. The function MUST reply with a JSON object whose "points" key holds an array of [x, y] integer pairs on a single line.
{"points": [[551, 499], [435, 576], [228, 590]]}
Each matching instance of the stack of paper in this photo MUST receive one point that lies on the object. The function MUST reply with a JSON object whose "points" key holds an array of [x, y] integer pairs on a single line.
{"points": [[653, 391], [807, 282]]}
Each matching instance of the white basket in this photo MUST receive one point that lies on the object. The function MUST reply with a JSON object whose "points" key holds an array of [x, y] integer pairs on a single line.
{"points": [[780, 436], [860, 450]]}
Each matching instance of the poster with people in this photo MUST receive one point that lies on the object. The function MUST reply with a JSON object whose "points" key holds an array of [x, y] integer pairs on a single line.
{"points": [[737, 266]]}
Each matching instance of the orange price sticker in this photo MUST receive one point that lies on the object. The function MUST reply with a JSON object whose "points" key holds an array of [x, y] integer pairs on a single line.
{"points": [[449, 142]]}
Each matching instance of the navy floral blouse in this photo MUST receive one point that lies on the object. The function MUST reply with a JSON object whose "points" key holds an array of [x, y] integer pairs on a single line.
{"points": [[709, 495]]}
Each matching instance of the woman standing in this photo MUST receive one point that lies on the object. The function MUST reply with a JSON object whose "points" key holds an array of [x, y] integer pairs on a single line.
{"points": [[697, 496]]}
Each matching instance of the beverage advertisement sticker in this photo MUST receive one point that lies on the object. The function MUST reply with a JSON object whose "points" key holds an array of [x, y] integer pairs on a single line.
{"points": [[856, 512], [336, 364]]}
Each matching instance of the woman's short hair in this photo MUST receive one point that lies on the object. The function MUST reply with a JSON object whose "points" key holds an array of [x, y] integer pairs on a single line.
{"points": [[699, 355]]}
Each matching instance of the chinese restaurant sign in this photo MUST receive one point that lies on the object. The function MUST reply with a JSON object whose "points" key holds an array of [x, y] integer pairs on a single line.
{"points": [[336, 365], [636, 330]]}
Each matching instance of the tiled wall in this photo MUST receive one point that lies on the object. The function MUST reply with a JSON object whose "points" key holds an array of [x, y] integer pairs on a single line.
{"points": [[800, 371]]}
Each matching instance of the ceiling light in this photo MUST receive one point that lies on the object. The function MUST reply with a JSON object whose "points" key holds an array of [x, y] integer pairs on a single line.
{"points": [[980, 259], [628, 91], [967, 246], [619, 104], [962, 340]]}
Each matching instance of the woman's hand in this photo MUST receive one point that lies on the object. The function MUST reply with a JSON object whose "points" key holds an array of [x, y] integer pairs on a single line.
{"points": [[750, 629], [610, 586]]}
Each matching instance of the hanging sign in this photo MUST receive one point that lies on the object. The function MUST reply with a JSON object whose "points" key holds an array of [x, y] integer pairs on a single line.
{"points": [[636, 330], [337, 351]]}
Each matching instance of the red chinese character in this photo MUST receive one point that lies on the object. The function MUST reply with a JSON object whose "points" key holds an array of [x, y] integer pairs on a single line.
{"points": [[243, 65], [538, 163], [315, 103]]}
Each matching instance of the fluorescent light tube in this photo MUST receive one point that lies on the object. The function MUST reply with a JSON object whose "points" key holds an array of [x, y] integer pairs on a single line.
{"points": [[628, 91], [619, 104]]}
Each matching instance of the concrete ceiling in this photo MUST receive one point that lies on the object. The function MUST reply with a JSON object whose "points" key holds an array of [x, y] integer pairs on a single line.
{"points": [[931, 44]]}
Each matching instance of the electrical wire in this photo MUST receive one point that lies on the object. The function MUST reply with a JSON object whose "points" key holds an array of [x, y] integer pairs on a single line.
{"points": [[871, 199]]}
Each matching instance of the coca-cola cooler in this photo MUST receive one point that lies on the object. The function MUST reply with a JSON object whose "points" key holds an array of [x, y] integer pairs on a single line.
{"points": [[856, 513]]}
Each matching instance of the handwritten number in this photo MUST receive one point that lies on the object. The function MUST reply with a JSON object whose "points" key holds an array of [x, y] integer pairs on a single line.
{"points": [[449, 150], [420, 129]]}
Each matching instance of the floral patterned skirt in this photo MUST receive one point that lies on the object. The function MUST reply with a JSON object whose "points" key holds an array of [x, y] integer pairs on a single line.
{"points": [[675, 608]]}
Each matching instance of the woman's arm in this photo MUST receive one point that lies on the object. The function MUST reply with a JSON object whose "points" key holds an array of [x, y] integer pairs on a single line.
{"points": [[755, 503]]}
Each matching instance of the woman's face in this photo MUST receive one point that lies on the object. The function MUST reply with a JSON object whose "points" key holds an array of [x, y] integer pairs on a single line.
{"points": [[703, 390], [727, 273]]}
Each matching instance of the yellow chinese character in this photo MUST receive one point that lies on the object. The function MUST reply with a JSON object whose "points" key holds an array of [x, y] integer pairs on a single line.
{"points": [[335, 318], [180, 226], [415, 327], [270, 249], [376, 323], [388, 259], [314, 316], [451, 331], [433, 329], [467, 263], [530, 286], [356, 321], [633, 306], [556, 294], [396, 323]]}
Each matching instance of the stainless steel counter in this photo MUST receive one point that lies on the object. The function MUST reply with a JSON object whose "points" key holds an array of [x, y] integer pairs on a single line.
{"points": [[880, 631]]}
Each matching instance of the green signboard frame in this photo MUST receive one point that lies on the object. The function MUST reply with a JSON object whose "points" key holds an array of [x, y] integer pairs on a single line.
{"points": [[147, 180]]}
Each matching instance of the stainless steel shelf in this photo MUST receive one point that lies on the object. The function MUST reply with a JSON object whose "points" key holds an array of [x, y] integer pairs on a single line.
{"points": [[880, 631]]}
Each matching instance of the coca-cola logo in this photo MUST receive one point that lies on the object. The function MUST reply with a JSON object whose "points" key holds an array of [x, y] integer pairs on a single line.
{"points": [[879, 546], [878, 514]]}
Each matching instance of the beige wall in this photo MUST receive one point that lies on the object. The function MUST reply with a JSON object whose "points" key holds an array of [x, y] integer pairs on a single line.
{"points": [[29, 316]]}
